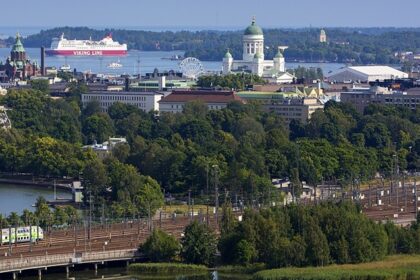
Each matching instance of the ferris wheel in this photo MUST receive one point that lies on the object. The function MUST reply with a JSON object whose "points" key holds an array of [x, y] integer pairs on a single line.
{"points": [[191, 67]]}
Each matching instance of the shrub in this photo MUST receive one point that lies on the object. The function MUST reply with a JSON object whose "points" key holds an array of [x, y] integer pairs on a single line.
{"points": [[160, 246], [166, 268], [199, 244]]}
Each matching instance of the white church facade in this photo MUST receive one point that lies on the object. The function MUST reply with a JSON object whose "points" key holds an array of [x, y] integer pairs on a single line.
{"points": [[253, 61]]}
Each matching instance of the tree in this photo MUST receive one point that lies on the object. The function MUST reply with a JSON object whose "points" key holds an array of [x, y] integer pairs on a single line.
{"points": [[121, 151], [28, 217], [228, 222], [149, 196], [60, 216], [95, 178], [198, 244], [43, 212], [98, 127], [14, 219], [244, 253], [41, 85], [317, 252], [160, 247], [72, 214]]}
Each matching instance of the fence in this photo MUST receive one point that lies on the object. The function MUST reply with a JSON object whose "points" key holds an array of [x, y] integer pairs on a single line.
{"points": [[64, 260]]}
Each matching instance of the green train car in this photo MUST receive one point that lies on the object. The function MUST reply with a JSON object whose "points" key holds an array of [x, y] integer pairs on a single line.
{"points": [[21, 234]]}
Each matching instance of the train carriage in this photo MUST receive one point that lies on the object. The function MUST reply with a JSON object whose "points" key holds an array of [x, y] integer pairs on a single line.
{"points": [[21, 234]]}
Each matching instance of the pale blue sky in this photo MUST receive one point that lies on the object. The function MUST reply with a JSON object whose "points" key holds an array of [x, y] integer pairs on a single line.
{"points": [[211, 13]]}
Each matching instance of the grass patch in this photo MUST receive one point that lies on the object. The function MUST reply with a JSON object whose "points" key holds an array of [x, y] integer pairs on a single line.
{"points": [[241, 269], [401, 267], [166, 268]]}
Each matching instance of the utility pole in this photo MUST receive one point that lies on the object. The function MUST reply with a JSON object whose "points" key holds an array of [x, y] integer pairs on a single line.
{"points": [[55, 191], [207, 190], [405, 192], [90, 216], [415, 196], [216, 192], [189, 204], [30, 237], [10, 240]]}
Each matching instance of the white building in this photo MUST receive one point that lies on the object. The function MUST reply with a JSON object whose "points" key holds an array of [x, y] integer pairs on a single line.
{"points": [[253, 60], [322, 36], [146, 101], [215, 100], [105, 149], [366, 74]]}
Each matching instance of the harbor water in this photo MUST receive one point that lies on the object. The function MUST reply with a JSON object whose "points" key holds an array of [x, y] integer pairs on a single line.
{"points": [[136, 62], [16, 198]]}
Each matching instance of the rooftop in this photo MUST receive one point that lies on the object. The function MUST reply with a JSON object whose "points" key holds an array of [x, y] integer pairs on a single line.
{"points": [[202, 95], [376, 69], [105, 92]]}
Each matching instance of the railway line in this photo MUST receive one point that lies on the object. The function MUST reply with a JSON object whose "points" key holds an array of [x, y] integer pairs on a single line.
{"points": [[102, 238], [398, 203]]}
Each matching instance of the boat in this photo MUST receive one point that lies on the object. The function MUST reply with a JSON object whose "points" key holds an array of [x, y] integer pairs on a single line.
{"points": [[115, 65], [105, 47], [65, 68], [174, 57]]}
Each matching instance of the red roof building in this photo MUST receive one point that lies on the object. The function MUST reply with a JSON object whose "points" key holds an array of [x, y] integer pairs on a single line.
{"points": [[214, 100]]}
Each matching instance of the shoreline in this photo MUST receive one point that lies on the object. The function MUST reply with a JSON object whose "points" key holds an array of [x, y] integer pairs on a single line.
{"points": [[34, 183]]}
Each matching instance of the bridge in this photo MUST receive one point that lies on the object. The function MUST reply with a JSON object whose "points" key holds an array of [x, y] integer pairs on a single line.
{"points": [[80, 245]]}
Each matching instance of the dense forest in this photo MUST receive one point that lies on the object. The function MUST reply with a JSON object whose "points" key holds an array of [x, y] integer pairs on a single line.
{"points": [[317, 235], [345, 45], [289, 236], [248, 146]]}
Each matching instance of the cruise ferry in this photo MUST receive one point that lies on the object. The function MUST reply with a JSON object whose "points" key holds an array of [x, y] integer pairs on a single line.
{"points": [[104, 47]]}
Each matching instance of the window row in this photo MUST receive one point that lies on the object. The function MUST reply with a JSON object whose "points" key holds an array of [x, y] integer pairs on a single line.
{"points": [[114, 97]]}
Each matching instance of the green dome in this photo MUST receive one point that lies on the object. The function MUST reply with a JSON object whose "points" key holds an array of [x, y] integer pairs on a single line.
{"points": [[18, 46], [258, 55], [228, 55], [279, 54], [253, 29]]}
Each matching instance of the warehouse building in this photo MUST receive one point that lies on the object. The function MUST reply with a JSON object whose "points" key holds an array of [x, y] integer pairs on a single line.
{"points": [[366, 74]]}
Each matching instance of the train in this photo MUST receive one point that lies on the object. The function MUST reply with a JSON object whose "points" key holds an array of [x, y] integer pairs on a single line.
{"points": [[21, 234]]}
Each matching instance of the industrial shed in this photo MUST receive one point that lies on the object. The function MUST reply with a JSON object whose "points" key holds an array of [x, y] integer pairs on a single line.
{"points": [[366, 74]]}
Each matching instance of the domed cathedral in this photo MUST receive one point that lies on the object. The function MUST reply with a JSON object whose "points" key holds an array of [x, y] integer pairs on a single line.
{"points": [[253, 60], [17, 65]]}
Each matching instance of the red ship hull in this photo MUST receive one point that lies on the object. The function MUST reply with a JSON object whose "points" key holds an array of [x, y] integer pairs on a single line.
{"points": [[86, 52]]}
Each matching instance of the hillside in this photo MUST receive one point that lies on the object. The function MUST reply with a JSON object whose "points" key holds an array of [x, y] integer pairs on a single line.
{"points": [[358, 46]]}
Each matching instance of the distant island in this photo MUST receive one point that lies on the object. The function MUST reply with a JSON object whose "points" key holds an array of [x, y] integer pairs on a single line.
{"points": [[344, 45]]}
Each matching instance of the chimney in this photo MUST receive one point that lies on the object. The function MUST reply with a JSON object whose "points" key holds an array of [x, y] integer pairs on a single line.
{"points": [[42, 61], [127, 84]]}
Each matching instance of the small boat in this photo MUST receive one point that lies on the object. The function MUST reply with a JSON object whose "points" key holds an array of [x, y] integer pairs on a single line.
{"points": [[65, 68], [115, 65], [174, 57]]}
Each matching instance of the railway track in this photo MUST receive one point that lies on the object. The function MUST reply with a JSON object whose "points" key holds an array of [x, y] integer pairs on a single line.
{"points": [[102, 238], [397, 204]]}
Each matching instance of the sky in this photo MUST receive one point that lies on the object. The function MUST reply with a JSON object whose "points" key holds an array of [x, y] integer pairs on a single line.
{"points": [[219, 14]]}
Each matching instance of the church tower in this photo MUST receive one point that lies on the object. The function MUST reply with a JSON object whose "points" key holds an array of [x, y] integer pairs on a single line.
{"points": [[322, 36], [18, 52], [278, 61], [258, 67], [227, 63], [253, 42]]}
